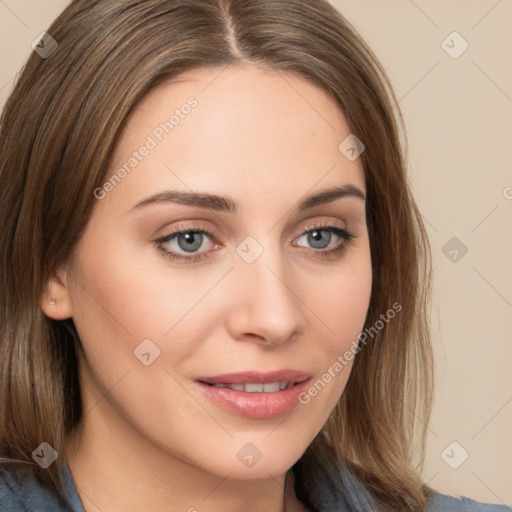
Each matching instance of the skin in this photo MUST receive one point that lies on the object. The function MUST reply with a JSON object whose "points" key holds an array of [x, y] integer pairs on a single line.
{"points": [[150, 439]]}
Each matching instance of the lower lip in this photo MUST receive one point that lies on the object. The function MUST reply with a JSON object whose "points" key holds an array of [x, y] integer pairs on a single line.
{"points": [[256, 405]]}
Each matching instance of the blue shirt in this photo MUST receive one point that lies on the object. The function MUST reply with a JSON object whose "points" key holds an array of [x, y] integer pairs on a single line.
{"points": [[22, 493]]}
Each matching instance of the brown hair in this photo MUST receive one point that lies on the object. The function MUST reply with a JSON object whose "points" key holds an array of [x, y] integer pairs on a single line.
{"points": [[57, 133]]}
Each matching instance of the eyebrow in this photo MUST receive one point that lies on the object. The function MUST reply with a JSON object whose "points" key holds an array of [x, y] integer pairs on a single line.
{"points": [[226, 204]]}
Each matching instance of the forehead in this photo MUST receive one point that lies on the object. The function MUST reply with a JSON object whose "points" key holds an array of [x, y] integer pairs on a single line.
{"points": [[243, 127]]}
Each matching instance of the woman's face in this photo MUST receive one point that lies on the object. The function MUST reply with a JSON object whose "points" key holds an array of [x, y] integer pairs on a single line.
{"points": [[189, 338]]}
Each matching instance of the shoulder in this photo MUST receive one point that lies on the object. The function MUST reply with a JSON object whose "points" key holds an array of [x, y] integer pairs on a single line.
{"points": [[440, 503], [20, 491]]}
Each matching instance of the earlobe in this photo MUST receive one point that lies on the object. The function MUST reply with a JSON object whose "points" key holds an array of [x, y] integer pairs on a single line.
{"points": [[55, 301]]}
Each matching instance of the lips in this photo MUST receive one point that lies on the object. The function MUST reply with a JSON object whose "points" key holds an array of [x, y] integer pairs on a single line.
{"points": [[257, 395]]}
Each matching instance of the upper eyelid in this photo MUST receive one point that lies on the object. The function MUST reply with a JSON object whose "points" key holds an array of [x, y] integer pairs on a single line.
{"points": [[323, 224]]}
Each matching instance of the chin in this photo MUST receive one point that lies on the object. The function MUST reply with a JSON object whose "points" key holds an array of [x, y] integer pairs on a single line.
{"points": [[254, 457]]}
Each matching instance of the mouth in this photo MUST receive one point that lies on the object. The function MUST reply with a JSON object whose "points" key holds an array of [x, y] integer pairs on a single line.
{"points": [[256, 395]]}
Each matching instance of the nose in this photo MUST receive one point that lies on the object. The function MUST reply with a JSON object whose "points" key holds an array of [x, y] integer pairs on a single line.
{"points": [[265, 308]]}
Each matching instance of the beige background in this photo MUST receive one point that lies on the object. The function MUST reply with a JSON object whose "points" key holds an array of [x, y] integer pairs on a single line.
{"points": [[458, 114]]}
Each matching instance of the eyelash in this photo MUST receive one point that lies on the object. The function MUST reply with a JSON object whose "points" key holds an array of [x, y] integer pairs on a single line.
{"points": [[346, 237]]}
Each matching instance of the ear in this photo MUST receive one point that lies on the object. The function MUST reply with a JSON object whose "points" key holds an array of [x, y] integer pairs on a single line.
{"points": [[55, 300]]}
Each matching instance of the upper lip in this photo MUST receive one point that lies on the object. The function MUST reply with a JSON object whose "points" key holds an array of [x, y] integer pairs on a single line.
{"points": [[255, 377]]}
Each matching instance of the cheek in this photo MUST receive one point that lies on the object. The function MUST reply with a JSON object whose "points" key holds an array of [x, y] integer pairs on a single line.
{"points": [[339, 300], [120, 299]]}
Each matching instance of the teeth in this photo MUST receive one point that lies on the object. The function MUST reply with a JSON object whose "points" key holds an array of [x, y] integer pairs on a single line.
{"points": [[253, 388], [271, 387]]}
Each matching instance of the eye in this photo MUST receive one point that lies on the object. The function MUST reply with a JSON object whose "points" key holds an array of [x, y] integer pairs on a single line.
{"points": [[320, 238], [192, 244], [185, 243]]}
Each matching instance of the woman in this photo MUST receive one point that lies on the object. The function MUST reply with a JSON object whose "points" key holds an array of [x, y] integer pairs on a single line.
{"points": [[215, 277]]}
